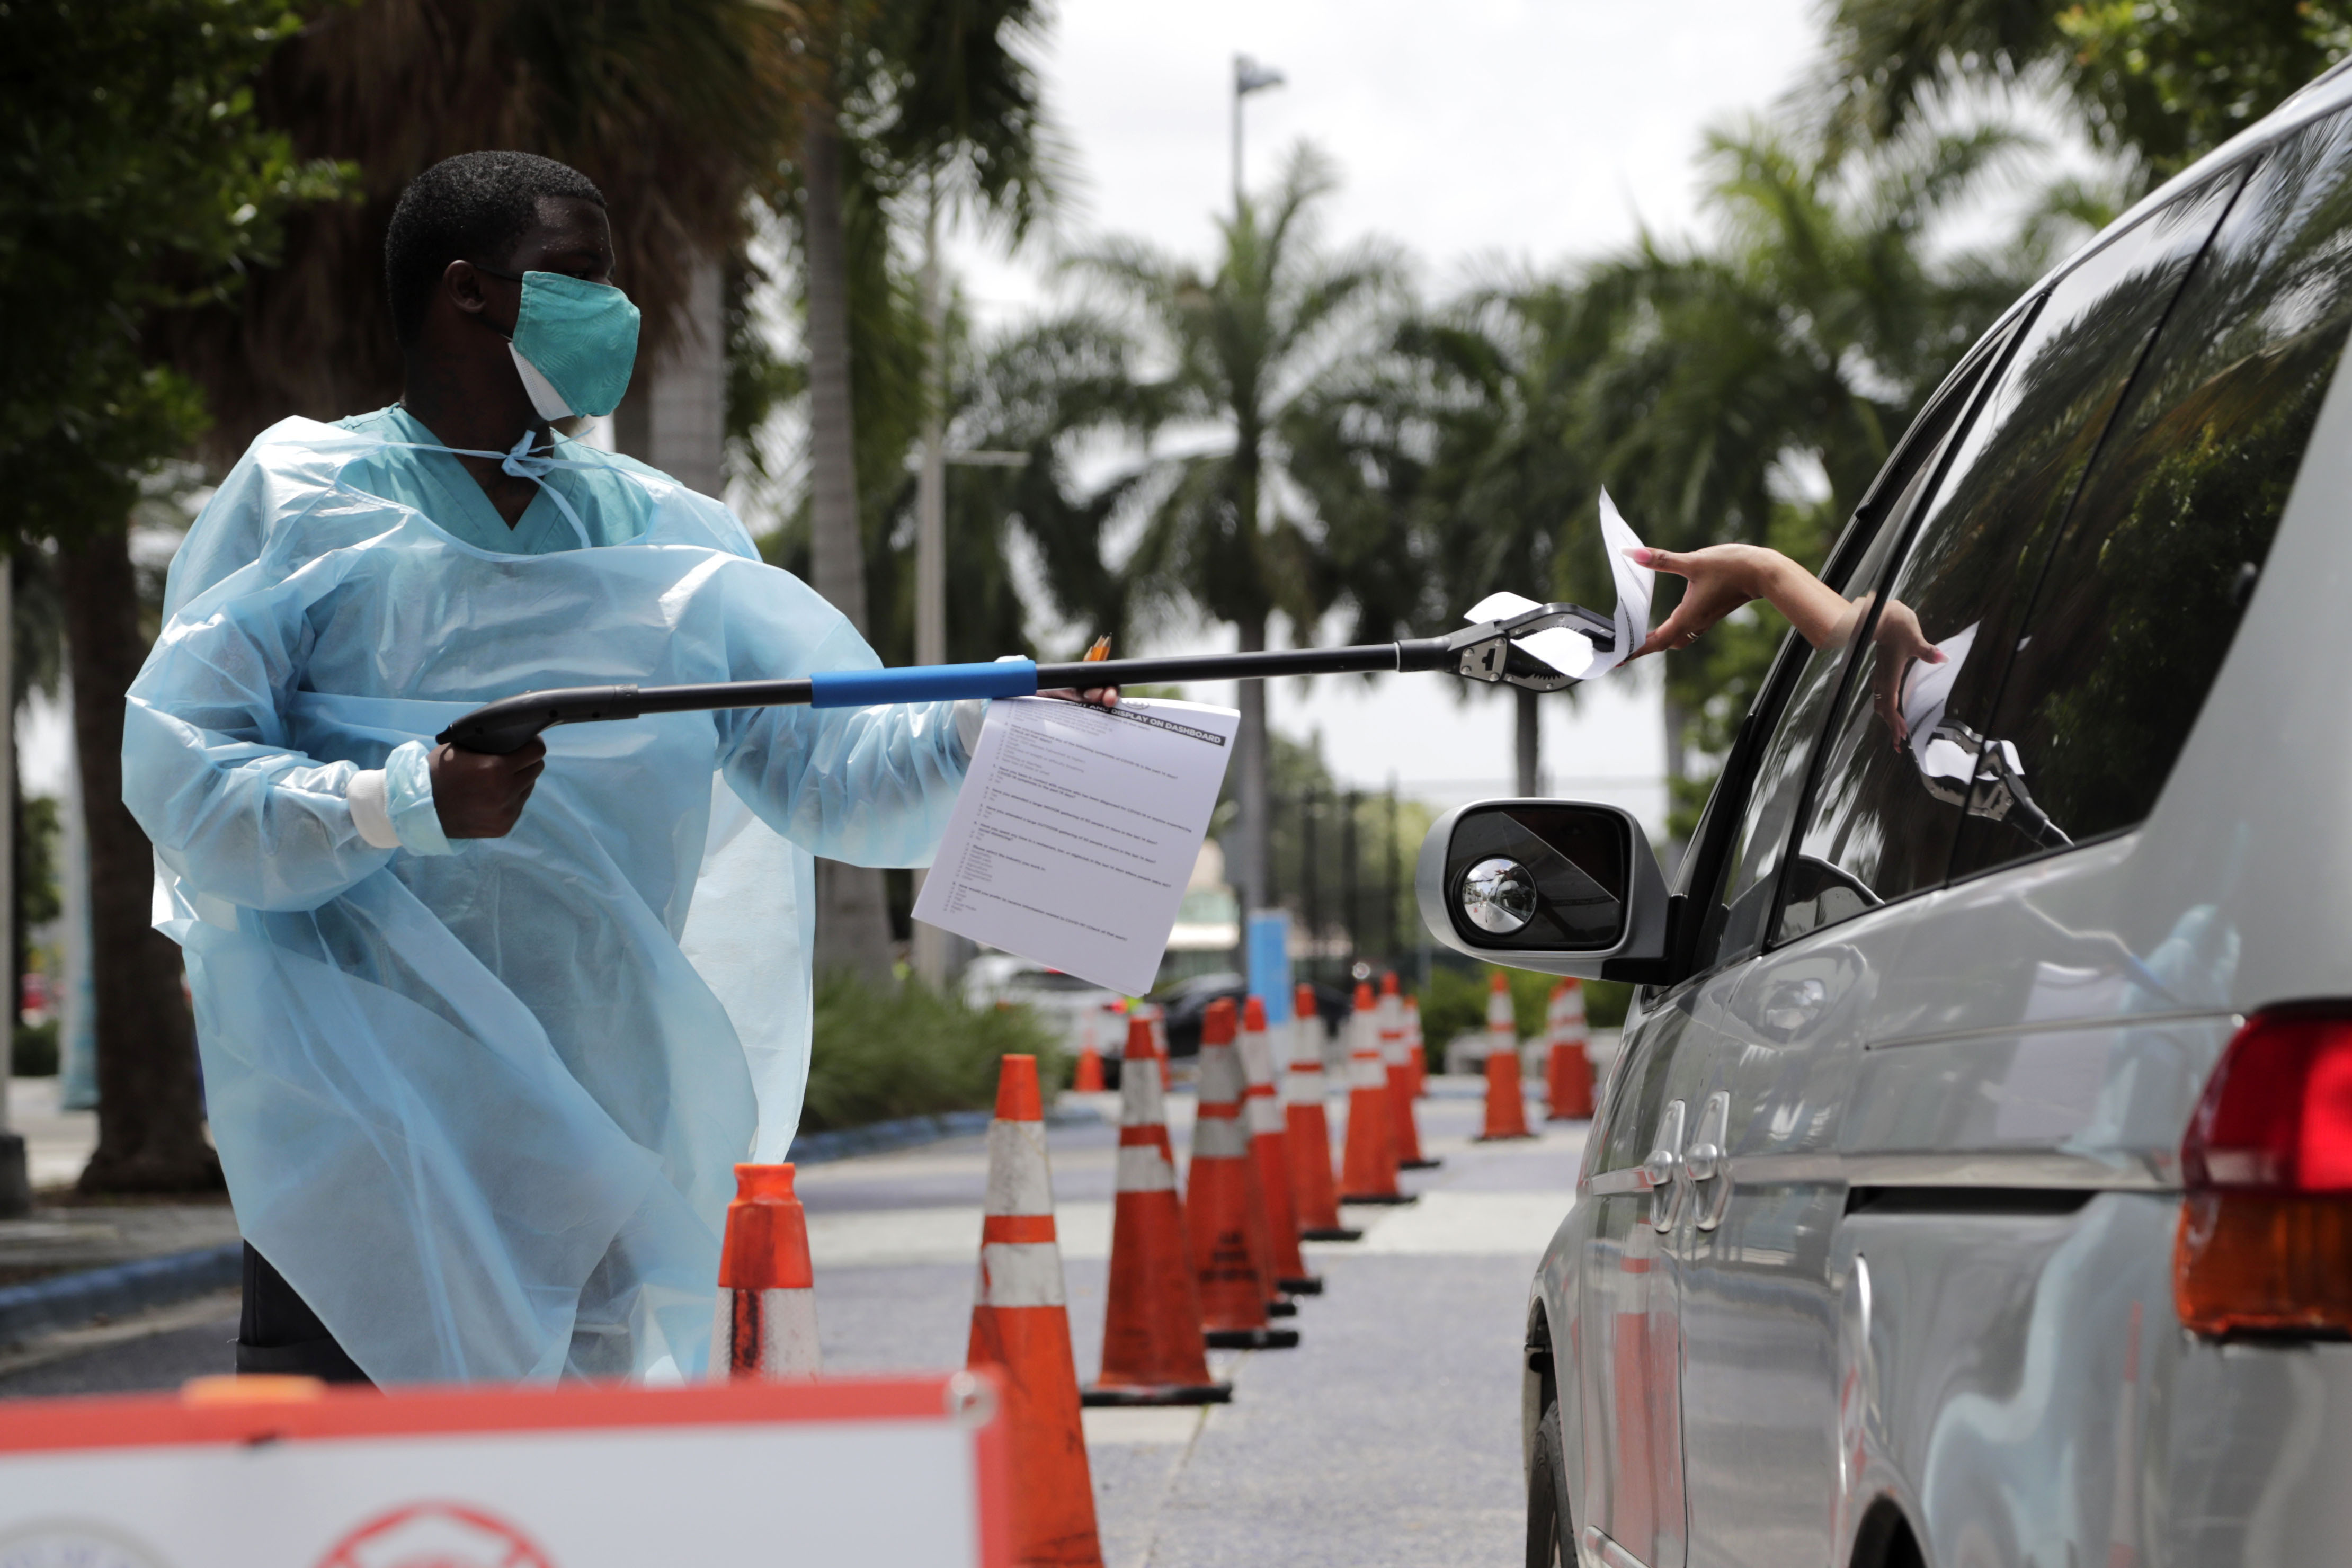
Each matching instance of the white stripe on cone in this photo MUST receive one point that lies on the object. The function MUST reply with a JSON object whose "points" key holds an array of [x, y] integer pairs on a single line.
{"points": [[1303, 1084], [1140, 1103], [1020, 1274], [1390, 1012], [1143, 1169], [1262, 1106], [1219, 1138], [784, 1342], [1366, 1068], [1502, 1028], [1017, 1178]]}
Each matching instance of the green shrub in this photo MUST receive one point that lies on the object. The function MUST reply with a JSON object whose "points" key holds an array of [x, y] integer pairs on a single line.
{"points": [[908, 1051], [36, 1053], [1455, 1003]]}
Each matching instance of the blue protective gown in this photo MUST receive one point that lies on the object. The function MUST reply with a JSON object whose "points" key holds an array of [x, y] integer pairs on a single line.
{"points": [[478, 1101]]}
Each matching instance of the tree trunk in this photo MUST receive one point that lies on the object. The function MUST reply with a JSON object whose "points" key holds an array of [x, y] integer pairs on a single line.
{"points": [[1527, 740], [151, 1116], [852, 924], [836, 552], [1678, 730], [1252, 791], [928, 942]]}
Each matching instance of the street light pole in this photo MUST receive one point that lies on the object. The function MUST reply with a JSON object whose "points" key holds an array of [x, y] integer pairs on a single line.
{"points": [[931, 943], [1253, 824], [1249, 77], [930, 488]]}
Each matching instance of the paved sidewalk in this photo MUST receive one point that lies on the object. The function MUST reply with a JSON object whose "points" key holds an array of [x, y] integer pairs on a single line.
{"points": [[1390, 1436], [58, 1143], [65, 1234]]}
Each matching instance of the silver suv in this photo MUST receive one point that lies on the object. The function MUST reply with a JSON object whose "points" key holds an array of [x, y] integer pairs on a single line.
{"points": [[1975, 1184]]}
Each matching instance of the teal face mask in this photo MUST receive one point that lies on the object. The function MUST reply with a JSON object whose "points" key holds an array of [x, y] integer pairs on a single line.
{"points": [[575, 343]]}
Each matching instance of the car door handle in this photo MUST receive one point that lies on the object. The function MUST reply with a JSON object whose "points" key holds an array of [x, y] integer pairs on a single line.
{"points": [[1706, 1161], [1662, 1173]]}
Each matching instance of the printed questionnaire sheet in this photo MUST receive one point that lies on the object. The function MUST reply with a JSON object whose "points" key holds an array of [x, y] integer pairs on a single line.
{"points": [[1076, 830]]}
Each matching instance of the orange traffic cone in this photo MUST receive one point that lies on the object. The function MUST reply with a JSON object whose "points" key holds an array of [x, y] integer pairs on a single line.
{"points": [[1311, 1188], [1568, 1073], [1506, 1105], [1225, 1216], [1368, 1172], [1270, 1148], [1152, 1352], [1416, 1049], [1021, 1326], [1089, 1077], [765, 1321], [1399, 1068]]}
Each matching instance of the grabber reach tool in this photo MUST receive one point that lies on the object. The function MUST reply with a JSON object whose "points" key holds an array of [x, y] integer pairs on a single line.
{"points": [[1488, 651]]}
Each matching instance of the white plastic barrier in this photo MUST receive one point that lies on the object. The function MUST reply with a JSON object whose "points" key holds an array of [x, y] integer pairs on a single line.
{"points": [[845, 1472]]}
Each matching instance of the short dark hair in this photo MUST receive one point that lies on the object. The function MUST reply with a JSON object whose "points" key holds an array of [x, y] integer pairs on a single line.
{"points": [[471, 207]]}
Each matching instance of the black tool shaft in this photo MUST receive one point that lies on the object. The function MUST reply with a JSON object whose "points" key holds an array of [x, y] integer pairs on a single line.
{"points": [[1421, 653], [1483, 652]]}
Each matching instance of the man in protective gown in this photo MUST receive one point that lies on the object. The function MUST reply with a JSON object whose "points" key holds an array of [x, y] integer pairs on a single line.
{"points": [[478, 1073]]}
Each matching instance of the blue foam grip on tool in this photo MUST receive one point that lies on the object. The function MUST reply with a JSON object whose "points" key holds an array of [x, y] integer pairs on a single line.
{"points": [[923, 683]]}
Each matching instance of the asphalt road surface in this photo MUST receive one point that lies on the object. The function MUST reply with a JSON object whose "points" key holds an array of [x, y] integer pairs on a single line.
{"points": [[1389, 1437]]}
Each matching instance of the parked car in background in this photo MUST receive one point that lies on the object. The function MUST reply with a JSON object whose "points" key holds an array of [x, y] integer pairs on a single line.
{"points": [[1974, 1185], [1062, 1001], [1187, 1001]]}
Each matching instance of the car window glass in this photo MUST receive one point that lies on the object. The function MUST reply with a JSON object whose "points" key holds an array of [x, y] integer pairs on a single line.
{"points": [[1894, 774], [1735, 923], [2144, 594]]}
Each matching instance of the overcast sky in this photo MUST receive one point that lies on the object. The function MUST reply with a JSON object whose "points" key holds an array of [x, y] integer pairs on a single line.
{"points": [[1483, 132]]}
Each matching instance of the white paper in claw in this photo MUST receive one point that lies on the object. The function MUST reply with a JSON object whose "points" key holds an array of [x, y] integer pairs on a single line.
{"points": [[1926, 691], [1634, 586], [1571, 652], [1568, 652]]}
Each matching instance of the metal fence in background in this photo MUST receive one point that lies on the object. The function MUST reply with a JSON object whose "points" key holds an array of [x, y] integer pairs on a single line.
{"points": [[1338, 861]]}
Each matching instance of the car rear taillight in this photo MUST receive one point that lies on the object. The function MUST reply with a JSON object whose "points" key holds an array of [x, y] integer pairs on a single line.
{"points": [[2265, 1239]]}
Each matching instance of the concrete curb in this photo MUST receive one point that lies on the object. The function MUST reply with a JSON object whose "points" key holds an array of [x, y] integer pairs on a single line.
{"points": [[118, 1290], [879, 1137]]}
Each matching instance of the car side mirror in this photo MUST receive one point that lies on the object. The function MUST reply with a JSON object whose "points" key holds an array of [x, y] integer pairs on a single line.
{"points": [[1560, 887]]}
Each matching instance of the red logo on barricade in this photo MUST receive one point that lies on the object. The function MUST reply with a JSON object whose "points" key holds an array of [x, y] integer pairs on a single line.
{"points": [[436, 1535]]}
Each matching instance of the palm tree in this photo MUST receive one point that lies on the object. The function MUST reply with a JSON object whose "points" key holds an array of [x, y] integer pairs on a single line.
{"points": [[140, 182], [938, 91], [1789, 357], [673, 107], [1493, 398], [1251, 345], [2155, 85], [1031, 397]]}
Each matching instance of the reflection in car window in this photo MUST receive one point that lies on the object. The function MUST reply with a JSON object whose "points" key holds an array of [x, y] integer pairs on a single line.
{"points": [[1638, 1090], [2144, 594], [1902, 751], [1735, 925]]}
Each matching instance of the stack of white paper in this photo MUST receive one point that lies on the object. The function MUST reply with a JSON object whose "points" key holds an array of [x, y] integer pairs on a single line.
{"points": [[1076, 830]]}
